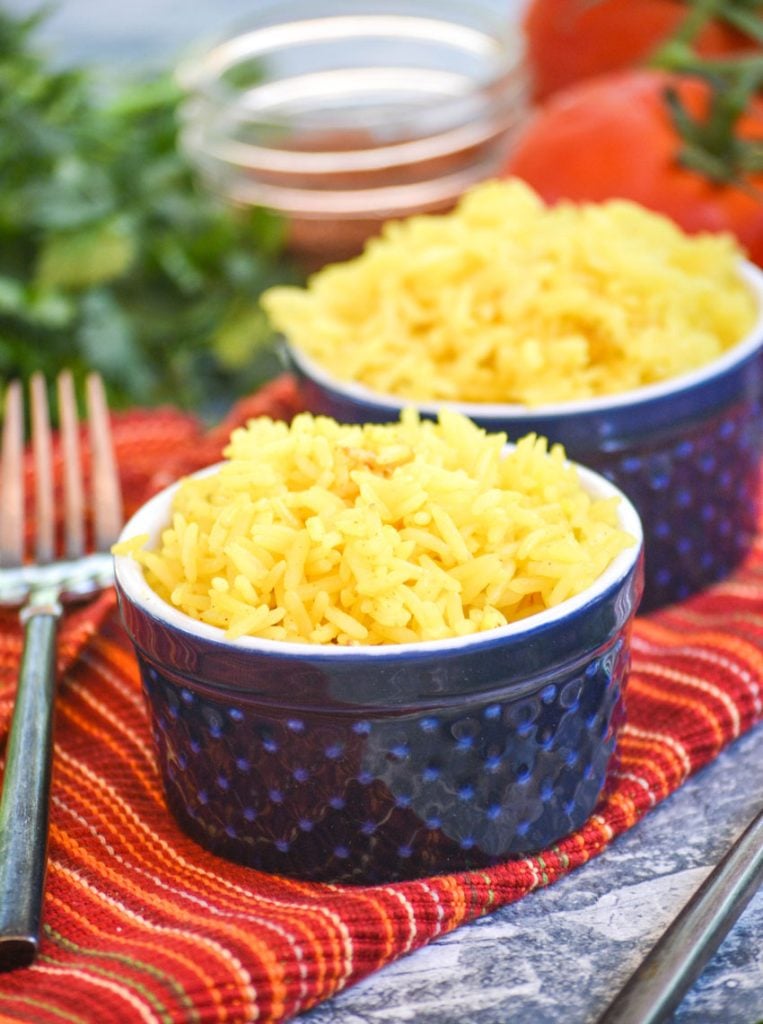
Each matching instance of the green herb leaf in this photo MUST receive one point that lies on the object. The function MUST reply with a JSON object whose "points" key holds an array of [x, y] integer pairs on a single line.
{"points": [[244, 331], [111, 253], [85, 258]]}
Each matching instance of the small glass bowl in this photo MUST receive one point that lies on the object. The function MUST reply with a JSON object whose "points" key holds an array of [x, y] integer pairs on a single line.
{"points": [[374, 763], [342, 115]]}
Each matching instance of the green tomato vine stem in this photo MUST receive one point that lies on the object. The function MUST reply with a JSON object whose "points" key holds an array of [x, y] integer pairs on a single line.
{"points": [[711, 144]]}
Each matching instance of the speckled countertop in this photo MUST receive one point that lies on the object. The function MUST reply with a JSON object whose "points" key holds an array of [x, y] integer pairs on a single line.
{"points": [[561, 953]]}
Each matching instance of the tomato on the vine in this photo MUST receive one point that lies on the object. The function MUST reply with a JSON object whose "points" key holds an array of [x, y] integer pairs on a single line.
{"points": [[568, 40], [613, 137]]}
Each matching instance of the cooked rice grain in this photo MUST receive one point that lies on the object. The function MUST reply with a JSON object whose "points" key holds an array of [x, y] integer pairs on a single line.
{"points": [[379, 534], [507, 300]]}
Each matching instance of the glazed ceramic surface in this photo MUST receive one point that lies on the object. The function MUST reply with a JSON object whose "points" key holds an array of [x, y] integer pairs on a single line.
{"points": [[375, 763], [686, 452]]}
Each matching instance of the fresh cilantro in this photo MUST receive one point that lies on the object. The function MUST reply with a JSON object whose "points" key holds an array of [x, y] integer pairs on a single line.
{"points": [[112, 256]]}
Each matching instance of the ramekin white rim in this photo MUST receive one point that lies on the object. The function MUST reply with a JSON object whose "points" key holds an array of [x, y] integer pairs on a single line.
{"points": [[154, 516]]}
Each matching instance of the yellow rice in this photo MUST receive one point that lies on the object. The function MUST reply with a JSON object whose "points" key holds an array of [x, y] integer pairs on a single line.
{"points": [[378, 534], [508, 300]]}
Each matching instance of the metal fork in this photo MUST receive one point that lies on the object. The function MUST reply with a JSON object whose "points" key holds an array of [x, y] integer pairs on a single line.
{"points": [[41, 589]]}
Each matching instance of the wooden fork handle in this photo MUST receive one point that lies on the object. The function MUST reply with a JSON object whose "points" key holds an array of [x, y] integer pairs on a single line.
{"points": [[24, 806]]}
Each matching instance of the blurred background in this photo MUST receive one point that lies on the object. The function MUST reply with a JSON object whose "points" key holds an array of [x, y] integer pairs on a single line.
{"points": [[113, 255], [145, 32], [140, 221]]}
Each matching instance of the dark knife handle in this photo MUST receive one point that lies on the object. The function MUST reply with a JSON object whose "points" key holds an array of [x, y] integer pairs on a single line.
{"points": [[657, 987]]}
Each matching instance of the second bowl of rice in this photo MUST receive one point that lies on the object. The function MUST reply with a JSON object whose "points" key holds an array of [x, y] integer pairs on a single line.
{"points": [[600, 326], [383, 651]]}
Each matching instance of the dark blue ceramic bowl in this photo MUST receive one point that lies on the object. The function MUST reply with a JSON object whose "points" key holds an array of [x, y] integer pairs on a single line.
{"points": [[370, 763], [686, 452]]}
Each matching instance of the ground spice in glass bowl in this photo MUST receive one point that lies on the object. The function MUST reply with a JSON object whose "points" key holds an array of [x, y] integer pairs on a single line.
{"points": [[343, 115]]}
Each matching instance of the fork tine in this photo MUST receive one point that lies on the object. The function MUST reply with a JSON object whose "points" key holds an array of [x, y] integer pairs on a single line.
{"points": [[107, 492], [74, 497], [43, 468], [12, 479], [43, 592]]}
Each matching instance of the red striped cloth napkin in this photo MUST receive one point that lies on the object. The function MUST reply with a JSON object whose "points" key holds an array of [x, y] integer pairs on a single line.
{"points": [[141, 924]]}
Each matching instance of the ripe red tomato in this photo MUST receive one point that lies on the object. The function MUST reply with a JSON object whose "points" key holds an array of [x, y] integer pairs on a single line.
{"points": [[572, 39], [612, 136]]}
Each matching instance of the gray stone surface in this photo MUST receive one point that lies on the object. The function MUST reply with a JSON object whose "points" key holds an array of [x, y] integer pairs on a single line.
{"points": [[560, 954]]}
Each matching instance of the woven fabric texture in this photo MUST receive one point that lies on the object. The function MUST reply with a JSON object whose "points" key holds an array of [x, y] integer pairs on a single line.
{"points": [[141, 924]]}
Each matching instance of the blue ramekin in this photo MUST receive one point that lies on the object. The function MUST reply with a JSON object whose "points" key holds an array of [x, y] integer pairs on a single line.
{"points": [[369, 764], [686, 451]]}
